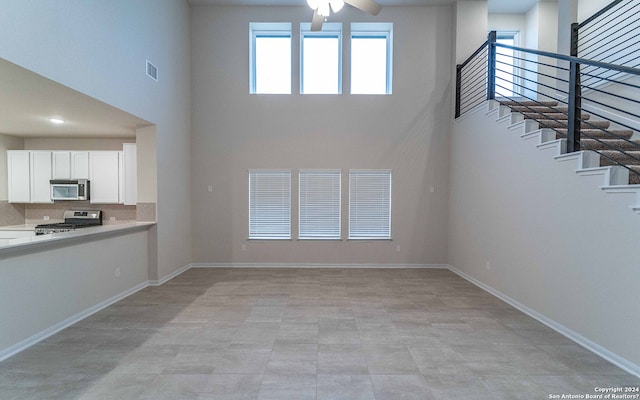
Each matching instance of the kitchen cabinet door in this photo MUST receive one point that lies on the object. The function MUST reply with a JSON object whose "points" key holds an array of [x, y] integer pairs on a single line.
{"points": [[18, 166], [129, 174], [104, 176], [79, 165], [61, 162], [40, 176], [70, 164]]}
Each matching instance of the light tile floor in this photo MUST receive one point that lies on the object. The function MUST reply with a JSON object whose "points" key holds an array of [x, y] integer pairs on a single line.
{"points": [[307, 334]]}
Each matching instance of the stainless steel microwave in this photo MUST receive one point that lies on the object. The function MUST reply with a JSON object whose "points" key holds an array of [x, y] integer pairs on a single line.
{"points": [[65, 189]]}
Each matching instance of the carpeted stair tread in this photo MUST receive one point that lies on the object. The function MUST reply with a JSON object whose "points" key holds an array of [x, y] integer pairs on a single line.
{"points": [[539, 109], [510, 103], [594, 134], [609, 144], [613, 157], [556, 116], [634, 174], [598, 133], [548, 123]]}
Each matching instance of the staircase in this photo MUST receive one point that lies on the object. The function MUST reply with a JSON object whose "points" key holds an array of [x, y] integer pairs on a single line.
{"points": [[610, 153], [614, 147]]}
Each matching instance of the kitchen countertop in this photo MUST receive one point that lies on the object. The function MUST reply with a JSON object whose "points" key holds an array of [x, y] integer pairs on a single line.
{"points": [[26, 243], [23, 227]]}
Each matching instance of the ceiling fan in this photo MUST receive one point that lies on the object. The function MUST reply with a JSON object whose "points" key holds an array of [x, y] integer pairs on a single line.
{"points": [[322, 9]]}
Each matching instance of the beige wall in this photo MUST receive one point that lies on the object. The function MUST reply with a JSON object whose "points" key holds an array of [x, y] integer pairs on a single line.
{"points": [[44, 287], [234, 131], [529, 227], [586, 8], [75, 143], [99, 49], [469, 27], [511, 23], [147, 164]]}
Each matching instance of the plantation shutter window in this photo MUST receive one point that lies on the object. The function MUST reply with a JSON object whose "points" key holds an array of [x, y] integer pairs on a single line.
{"points": [[370, 204], [269, 204], [319, 204]]}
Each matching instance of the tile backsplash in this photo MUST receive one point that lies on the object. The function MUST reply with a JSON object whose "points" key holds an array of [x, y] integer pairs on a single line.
{"points": [[146, 212], [18, 214], [35, 213], [11, 214]]}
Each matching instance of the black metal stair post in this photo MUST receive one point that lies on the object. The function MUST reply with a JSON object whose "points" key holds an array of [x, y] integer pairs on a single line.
{"points": [[491, 67], [458, 88], [575, 96]]}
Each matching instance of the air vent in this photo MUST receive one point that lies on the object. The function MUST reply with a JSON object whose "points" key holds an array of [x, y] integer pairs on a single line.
{"points": [[152, 71]]}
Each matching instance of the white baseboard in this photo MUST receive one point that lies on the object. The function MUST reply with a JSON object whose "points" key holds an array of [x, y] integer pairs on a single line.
{"points": [[613, 358], [164, 279], [30, 341], [314, 265]]}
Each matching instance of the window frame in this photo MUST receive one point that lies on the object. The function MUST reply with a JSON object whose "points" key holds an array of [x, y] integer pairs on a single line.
{"points": [[517, 82], [329, 29], [335, 214], [268, 29], [374, 30], [386, 173], [286, 215]]}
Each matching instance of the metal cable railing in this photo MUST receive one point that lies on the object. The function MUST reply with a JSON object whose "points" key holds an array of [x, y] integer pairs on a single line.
{"points": [[592, 104]]}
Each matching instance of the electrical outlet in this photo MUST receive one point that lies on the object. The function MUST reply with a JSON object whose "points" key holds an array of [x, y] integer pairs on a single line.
{"points": [[488, 266], [398, 249], [432, 189], [118, 272], [244, 247], [210, 189], [112, 218], [46, 218]]}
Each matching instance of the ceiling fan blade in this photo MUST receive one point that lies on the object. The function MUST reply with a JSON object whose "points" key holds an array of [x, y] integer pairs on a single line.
{"points": [[368, 6], [316, 21]]}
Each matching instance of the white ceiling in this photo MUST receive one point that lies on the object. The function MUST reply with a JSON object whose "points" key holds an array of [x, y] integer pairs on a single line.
{"points": [[495, 6], [28, 100]]}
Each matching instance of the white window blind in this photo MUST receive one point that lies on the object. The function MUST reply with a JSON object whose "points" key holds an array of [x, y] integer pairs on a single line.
{"points": [[319, 204], [370, 204], [269, 204]]}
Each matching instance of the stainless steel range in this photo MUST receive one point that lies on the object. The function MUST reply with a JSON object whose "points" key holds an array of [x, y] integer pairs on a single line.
{"points": [[73, 219]]}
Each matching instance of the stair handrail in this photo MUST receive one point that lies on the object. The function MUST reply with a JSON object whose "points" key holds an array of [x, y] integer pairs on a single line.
{"points": [[478, 83], [459, 68]]}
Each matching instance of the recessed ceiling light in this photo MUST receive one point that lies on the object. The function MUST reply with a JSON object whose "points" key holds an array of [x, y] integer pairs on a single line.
{"points": [[56, 120]]}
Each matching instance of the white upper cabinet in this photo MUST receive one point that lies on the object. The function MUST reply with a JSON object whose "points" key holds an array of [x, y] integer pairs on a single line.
{"points": [[40, 176], [79, 165], [29, 173], [70, 164], [104, 168], [112, 174], [61, 164], [18, 166]]}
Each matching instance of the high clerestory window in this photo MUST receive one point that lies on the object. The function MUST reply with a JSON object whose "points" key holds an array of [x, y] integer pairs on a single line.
{"points": [[270, 58], [371, 57], [321, 58]]}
